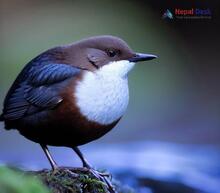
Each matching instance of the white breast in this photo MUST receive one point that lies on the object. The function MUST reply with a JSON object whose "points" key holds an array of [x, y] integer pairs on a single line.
{"points": [[102, 96]]}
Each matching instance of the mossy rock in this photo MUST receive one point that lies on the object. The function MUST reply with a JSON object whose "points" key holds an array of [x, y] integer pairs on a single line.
{"points": [[64, 180], [79, 181]]}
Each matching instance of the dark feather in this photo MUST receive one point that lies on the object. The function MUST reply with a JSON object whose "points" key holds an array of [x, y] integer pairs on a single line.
{"points": [[50, 74], [37, 90]]}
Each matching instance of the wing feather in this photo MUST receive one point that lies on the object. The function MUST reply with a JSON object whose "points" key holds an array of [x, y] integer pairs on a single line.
{"points": [[38, 91]]}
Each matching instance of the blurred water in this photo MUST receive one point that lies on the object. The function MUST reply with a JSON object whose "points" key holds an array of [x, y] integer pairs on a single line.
{"points": [[142, 164]]}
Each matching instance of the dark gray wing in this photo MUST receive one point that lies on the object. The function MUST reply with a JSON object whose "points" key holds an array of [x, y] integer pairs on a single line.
{"points": [[39, 90]]}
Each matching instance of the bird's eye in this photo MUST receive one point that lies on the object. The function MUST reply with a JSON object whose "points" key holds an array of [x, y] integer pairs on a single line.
{"points": [[111, 53]]}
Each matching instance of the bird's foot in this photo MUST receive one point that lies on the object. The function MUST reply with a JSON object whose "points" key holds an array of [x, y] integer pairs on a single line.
{"points": [[103, 177], [105, 174], [55, 171], [71, 173]]}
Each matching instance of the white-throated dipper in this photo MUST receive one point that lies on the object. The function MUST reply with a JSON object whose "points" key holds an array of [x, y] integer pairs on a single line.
{"points": [[73, 94]]}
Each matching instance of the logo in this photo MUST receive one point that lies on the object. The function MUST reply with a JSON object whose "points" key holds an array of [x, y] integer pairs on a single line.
{"points": [[191, 13], [167, 14]]}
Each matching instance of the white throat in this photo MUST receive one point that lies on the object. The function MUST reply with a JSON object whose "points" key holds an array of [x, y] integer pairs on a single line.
{"points": [[102, 96]]}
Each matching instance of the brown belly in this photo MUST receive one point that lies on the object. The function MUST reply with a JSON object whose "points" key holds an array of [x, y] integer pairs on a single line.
{"points": [[63, 126], [65, 134]]}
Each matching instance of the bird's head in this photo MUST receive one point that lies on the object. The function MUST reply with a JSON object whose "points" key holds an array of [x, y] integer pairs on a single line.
{"points": [[107, 53]]}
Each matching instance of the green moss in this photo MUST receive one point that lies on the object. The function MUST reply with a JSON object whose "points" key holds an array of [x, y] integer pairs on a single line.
{"points": [[12, 181]]}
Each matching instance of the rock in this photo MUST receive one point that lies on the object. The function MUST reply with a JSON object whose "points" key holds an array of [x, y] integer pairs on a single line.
{"points": [[63, 180], [78, 180]]}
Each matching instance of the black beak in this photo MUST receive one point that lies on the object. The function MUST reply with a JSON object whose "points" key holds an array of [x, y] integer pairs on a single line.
{"points": [[138, 57]]}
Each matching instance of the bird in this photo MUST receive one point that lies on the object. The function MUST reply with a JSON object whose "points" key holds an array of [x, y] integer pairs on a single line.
{"points": [[72, 94]]}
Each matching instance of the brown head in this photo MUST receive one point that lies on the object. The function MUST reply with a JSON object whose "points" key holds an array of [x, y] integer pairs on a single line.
{"points": [[95, 52]]}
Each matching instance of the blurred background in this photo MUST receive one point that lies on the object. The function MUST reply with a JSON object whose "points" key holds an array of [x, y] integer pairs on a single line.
{"points": [[169, 138]]}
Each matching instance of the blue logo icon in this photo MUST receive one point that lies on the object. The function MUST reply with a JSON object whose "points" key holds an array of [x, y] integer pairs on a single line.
{"points": [[167, 14]]}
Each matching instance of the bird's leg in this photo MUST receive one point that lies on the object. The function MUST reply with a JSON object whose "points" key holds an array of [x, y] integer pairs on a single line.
{"points": [[85, 162], [53, 164], [98, 175], [82, 158], [49, 157]]}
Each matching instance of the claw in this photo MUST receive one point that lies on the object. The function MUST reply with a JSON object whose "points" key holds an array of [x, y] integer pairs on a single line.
{"points": [[102, 177], [105, 175], [72, 174]]}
